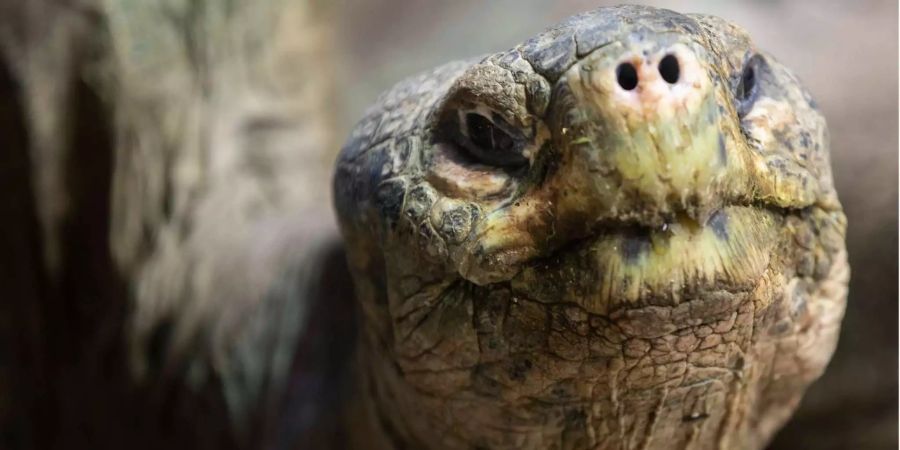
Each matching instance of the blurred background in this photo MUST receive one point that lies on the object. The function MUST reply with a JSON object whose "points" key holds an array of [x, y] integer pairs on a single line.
{"points": [[846, 54]]}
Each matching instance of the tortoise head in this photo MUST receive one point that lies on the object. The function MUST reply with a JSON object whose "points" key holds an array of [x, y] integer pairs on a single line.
{"points": [[609, 226]]}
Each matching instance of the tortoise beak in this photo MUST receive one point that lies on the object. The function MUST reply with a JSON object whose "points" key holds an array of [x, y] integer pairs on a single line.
{"points": [[643, 134]]}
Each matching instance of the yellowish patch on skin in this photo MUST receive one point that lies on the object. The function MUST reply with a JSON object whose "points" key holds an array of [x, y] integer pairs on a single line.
{"points": [[668, 261], [666, 145], [670, 156], [504, 239]]}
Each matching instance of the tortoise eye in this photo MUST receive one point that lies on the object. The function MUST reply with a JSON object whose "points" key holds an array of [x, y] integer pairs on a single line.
{"points": [[491, 141], [484, 134], [748, 82], [747, 87]]}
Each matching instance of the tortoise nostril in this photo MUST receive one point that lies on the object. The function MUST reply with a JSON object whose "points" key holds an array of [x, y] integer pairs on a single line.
{"points": [[668, 68], [627, 76]]}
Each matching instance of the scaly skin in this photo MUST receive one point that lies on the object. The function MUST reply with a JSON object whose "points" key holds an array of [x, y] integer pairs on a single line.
{"points": [[655, 267]]}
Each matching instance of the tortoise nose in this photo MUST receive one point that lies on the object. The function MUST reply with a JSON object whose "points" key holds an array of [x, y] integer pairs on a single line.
{"points": [[668, 69], [654, 81]]}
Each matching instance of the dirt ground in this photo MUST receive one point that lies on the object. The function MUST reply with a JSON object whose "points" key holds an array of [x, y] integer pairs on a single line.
{"points": [[846, 53]]}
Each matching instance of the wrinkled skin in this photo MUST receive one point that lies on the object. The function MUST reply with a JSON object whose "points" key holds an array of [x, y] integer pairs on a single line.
{"points": [[547, 255]]}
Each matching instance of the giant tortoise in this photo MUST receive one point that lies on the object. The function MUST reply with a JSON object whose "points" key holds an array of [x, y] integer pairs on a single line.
{"points": [[621, 233]]}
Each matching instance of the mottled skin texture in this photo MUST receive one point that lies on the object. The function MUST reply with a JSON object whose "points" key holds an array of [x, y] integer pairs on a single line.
{"points": [[661, 267]]}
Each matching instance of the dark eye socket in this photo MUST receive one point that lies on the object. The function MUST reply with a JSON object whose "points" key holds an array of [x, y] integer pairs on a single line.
{"points": [[748, 85], [484, 134], [490, 143], [748, 82]]}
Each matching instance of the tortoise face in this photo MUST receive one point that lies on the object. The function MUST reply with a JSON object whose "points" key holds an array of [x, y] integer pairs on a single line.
{"points": [[625, 225]]}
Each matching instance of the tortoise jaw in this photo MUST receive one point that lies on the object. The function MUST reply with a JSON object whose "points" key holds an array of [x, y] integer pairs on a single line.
{"points": [[625, 267]]}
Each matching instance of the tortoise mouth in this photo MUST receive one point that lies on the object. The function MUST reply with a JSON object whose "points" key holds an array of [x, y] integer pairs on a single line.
{"points": [[631, 265]]}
